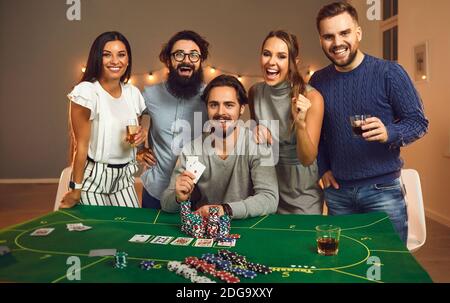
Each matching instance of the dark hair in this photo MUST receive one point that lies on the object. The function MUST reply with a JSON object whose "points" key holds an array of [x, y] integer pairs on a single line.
{"points": [[294, 77], [164, 55], [334, 9], [228, 81], [94, 64]]}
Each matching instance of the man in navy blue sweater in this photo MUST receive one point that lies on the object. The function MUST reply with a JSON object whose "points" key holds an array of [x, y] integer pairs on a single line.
{"points": [[361, 174]]}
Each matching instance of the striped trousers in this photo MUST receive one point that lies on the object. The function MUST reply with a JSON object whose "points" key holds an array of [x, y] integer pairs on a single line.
{"points": [[107, 186]]}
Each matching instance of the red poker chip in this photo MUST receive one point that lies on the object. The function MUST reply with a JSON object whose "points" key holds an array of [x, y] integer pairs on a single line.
{"points": [[222, 273], [232, 279]]}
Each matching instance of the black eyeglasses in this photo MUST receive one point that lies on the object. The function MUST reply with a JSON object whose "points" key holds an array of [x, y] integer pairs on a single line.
{"points": [[179, 56]]}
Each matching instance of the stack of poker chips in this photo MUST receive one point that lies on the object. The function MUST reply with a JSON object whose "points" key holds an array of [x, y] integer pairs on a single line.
{"points": [[185, 209], [211, 227], [120, 260], [147, 265], [224, 227], [194, 225], [187, 272]]}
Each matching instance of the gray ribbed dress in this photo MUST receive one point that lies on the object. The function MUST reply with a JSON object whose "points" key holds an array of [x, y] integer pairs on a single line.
{"points": [[298, 189]]}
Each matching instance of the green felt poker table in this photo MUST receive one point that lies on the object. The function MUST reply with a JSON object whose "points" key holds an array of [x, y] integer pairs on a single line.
{"points": [[369, 249]]}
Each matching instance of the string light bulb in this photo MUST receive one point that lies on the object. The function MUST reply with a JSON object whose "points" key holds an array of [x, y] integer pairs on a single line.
{"points": [[160, 75], [424, 77]]}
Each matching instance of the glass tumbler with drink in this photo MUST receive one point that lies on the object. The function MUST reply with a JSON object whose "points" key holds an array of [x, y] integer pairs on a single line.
{"points": [[132, 131], [357, 121], [327, 237]]}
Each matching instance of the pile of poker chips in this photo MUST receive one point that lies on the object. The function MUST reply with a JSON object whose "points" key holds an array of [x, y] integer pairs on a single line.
{"points": [[228, 266], [256, 267], [120, 260], [240, 260], [187, 272], [211, 227], [147, 265], [209, 268], [225, 265]]}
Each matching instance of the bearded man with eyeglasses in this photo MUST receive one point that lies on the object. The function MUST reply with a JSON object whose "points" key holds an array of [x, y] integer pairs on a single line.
{"points": [[175, 107]]}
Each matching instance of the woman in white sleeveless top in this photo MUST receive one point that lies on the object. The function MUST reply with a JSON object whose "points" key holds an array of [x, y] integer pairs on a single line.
{"points": [[101, 107], [298, 108]]}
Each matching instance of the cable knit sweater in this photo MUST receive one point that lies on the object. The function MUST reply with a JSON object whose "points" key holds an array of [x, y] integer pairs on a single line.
{"points": [[379, 88]]}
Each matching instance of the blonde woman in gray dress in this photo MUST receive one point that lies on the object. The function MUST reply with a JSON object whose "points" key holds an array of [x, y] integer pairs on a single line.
{"points": [[285, 97]]}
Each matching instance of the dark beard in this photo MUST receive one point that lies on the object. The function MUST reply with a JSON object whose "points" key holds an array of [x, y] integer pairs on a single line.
{"points": [[183, 87], [350, 60]]}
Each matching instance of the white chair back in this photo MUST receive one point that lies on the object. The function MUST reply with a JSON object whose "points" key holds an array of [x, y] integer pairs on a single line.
{"points": [[417, 232], [63, 186]]}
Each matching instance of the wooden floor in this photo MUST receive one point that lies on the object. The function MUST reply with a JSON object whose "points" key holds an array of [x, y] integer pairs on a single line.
{"points": [[20, 202]]}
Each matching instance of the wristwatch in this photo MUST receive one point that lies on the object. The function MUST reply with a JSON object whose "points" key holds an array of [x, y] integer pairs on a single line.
{"points": [[227, 209], [73, 185]]}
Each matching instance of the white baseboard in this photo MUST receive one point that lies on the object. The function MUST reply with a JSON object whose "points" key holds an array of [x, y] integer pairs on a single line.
{"points": [[41, 181], [437, 217], [28, 181]]}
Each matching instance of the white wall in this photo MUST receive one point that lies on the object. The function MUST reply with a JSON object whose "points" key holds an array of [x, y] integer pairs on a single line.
{"points": [[42, 54], [421, 21], [371, 38]]}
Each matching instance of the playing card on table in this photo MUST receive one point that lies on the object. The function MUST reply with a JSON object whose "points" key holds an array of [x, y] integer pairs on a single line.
{"points": [[77, 227], [197, 169], [204, 243], [182, 241], [230, 243], [140, 238], [72, 226], [82, 228], [42, 232], [162, 240], [102, 252]]}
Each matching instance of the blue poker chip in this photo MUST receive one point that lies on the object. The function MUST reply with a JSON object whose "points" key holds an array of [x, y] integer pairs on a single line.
{"points": [[249, 274], [147, 265]]}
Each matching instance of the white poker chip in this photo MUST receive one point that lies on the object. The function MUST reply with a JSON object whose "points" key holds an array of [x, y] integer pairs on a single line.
{"points": [[187, 272], [173, 265]]}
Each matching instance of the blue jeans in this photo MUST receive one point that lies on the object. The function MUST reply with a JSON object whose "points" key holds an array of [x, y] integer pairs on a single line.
{"points": [[149, 201], [387, 197]]}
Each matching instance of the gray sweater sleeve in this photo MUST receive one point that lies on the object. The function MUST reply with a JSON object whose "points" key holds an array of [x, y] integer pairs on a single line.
{"points": [[265, 186]]}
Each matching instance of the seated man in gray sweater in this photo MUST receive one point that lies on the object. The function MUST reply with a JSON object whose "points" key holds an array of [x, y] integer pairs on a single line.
{"points": [[238, 178]]}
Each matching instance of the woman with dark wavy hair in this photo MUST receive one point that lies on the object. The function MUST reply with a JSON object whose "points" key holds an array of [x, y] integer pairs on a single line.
{"points": [[102, 105]]}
